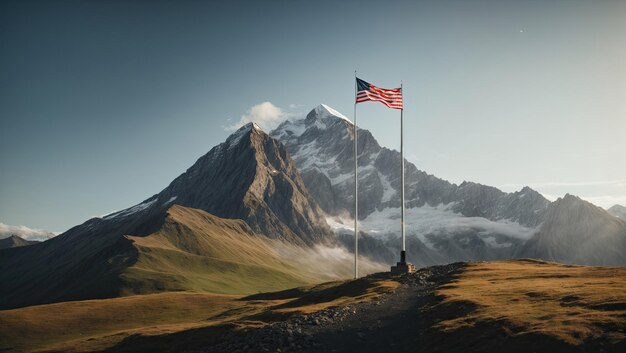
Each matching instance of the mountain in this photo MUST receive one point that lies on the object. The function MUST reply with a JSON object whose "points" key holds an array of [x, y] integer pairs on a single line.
{"points": [[250, 177], [181, 239], [14, 241], [578, 232], [445, 222], [322, 146], [24, 232], [618, 211]]}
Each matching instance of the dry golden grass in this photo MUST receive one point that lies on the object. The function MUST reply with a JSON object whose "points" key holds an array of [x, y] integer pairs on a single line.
{"points": [[99, 323], [570, 303], [92, 325]]}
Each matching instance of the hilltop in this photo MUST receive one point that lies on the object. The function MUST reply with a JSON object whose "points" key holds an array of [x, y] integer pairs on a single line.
{"points": [[516, 306]]}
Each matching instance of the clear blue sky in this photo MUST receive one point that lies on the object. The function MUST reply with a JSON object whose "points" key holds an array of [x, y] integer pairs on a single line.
{"points": [[103, 103]]}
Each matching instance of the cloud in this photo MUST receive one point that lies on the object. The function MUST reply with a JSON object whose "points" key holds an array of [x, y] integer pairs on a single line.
{"points": [[265, 114], [440, 220], [328, 263], [25, 232]]}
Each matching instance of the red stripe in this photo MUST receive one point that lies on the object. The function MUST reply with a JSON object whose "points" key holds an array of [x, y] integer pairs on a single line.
{"points": [[380, 95], [369, 95], [363, 99], [385, 91], [384, 94], [394, 104], [391, 98]]}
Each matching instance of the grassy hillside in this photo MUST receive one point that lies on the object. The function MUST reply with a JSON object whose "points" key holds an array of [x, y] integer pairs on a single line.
{"points": [[517, 306], [93, 325], [184, 249], [196, 251]]}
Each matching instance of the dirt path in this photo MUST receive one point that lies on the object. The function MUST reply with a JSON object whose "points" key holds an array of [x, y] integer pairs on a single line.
{"points": [[391, 324]]}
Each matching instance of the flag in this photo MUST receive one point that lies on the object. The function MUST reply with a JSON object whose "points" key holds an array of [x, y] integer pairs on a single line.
{"points": [[392, 98]]}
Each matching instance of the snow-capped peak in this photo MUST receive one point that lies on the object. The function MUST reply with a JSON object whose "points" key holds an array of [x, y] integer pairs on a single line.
{"points": [[236, 136], [323, 109], [247, 127]]}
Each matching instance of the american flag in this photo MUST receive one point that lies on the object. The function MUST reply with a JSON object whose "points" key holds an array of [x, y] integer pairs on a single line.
{"points": [[366, 91]]}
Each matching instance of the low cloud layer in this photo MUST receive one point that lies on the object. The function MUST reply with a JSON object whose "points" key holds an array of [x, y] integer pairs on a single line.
{"points": [[425, 220], [25, 232], [328, 263], [266, 115]]}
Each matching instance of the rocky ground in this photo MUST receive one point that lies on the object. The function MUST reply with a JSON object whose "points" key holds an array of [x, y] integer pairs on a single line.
{"points": [[390, 323]]}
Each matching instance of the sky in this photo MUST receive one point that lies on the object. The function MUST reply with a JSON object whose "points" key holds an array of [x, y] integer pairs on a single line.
{"points": [[103, 103]]}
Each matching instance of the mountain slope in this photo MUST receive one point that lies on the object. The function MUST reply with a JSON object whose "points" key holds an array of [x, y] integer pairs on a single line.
{"points": [[445, 222], [575, 231], [191, 250], [618, 211], [322, 146], [252, 177], [249, 177], [14, 241], [197, 251]]}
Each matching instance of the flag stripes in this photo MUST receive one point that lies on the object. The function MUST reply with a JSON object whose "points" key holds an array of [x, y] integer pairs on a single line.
{"points": [[392, 98]]}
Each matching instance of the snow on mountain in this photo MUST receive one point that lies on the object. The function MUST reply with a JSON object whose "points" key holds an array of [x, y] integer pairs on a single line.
{"points": [[251, 177], [132, 210], [322, 146], [25, 233]]}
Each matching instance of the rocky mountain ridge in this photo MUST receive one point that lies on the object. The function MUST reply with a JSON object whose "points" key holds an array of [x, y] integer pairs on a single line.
{"points": [[250, 188], [445, 222]]}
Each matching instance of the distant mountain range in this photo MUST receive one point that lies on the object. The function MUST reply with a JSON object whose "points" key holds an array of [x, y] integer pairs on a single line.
{"points": [[445, 222], [25, 233], [271, 211], [13, 241]]}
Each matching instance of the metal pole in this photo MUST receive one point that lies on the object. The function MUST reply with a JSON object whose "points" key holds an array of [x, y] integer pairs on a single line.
{"points": [[356, 191], [403, 253]]}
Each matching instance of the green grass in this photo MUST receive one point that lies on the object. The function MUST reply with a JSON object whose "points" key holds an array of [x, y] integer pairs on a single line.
{"points": [[195, 251], [189, 250]]}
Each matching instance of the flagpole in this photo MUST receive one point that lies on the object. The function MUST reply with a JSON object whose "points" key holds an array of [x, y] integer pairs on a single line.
{"points": [[356, 191], [403, 252]]}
